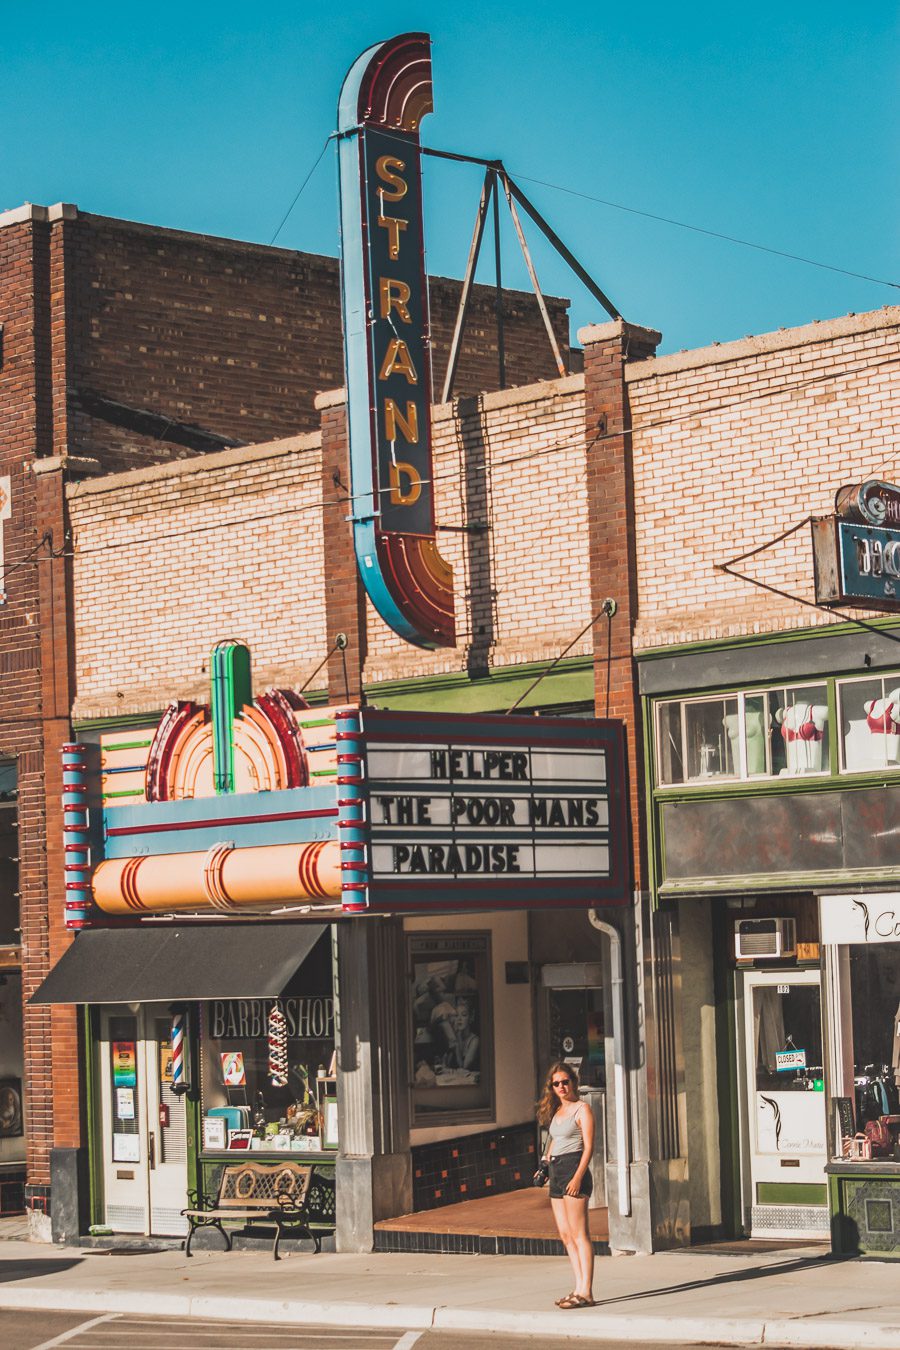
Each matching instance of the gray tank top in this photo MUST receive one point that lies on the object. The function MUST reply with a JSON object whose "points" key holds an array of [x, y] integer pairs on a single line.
{"points": [[566, 1135]]}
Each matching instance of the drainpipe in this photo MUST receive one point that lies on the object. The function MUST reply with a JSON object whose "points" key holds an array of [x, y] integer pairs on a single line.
{"points": [[623, 1150]]}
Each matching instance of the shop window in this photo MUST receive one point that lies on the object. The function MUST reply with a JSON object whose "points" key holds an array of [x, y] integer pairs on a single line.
{"points": [[875, 1022], [252, 1096], [452, 1028], [10, 934], [743, 736], [12, 1115], [869, 716]]}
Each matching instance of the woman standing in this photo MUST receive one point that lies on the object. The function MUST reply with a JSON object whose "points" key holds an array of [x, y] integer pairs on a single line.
{"points": [[569, 1150]]}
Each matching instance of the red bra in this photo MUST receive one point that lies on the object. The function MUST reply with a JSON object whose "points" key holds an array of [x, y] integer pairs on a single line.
{"points": [[888, 722], [807, 731]]}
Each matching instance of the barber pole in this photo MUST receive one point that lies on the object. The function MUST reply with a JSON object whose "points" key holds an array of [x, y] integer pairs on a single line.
{"points": [[179, 1076]]}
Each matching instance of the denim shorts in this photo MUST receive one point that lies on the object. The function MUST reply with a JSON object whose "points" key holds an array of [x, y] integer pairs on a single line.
{"points": [[562, 1170]]}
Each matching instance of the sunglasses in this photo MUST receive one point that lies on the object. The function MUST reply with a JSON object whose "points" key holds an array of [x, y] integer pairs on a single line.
{"points": [[561, 1082]]}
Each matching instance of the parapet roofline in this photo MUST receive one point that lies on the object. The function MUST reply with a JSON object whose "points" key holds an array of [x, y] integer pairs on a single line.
{"points": [[819, 331]]}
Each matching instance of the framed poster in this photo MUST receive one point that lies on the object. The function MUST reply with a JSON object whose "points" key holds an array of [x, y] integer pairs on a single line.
{"points": [[240, 1140], [233, 1071], [11, 1124], [165, 1062], [452, 1027]]}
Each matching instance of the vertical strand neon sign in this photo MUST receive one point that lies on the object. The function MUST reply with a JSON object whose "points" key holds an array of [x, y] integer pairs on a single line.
{"points": [[387, 352]]}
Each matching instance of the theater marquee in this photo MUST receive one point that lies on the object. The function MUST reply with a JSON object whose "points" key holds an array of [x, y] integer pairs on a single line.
{"points": [[480, 812]]}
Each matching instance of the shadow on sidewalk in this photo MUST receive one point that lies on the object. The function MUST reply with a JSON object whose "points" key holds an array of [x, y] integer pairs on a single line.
{"points": [[733, 1277], [26, 1270]]}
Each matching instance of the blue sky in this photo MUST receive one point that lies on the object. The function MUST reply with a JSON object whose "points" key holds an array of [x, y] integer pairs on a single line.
{"points": [[775, 123]]}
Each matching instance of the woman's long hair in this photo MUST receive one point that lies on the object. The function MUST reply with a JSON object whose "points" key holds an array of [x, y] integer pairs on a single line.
{"points": [[549, 1103]]}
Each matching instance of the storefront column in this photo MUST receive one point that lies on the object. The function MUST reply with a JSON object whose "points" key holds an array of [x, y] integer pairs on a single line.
{"points": [[374, 1169]]}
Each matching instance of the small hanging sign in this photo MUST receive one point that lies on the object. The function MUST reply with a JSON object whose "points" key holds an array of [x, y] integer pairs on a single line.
{"points": [[787, 1060]]}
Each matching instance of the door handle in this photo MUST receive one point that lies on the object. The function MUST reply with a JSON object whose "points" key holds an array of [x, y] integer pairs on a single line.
{"points": [[151, 1149]]}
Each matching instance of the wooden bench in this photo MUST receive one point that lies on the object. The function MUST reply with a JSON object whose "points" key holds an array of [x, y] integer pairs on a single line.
{"points": [[255, 1194]]}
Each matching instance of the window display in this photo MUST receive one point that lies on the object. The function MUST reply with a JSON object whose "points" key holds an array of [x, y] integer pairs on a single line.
{"points": [[869, 713], [451, 1027], [772, 733], [867, 1125], [268, 1065]]}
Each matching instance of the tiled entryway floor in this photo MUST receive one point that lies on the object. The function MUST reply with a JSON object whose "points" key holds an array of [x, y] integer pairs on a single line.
{"points": [[522, 1214]]}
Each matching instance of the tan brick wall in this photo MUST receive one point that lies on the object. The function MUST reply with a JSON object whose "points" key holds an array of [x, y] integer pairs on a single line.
{"points": [[734, 445], [514, 461], [171, 559]]}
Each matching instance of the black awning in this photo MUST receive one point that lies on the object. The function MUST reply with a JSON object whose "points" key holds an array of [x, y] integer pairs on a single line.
{"points": [[179, 962]]}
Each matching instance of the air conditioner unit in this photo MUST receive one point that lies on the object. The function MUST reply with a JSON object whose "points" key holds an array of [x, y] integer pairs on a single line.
{"points": [[757, 939]]}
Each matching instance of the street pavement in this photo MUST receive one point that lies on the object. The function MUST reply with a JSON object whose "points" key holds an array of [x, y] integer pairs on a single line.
{"points": [[799, 1297], [112, 1331]]}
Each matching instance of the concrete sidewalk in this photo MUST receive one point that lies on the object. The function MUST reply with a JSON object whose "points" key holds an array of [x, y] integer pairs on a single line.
{"points": [[788, 1298]]}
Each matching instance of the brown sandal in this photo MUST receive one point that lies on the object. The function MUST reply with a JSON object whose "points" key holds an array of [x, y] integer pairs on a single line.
{"points": [[576, 1301], [565, 1299]]}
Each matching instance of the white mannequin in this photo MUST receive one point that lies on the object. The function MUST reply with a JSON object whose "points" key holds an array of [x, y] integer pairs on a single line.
{"points": [[755, 734], [883, 722], [803, 728], [873, 741]]}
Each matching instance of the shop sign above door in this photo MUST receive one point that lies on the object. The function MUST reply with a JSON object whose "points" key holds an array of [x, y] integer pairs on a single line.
{"points": [[862, 919], [444, 813], [387, 352], [856, 551]]}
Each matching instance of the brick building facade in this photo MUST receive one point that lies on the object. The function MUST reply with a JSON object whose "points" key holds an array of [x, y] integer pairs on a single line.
{"points": [[126, 345], [617, 483]]}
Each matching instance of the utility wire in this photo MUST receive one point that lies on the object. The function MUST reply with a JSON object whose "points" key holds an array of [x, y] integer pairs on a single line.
{"points": [[302, 188], [670, 220], [559, 447], [712, 234]]}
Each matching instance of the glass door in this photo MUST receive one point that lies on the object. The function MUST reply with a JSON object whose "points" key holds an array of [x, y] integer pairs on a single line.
{"points": [[143, 1124], [572, 1029], [784, 1117], [167, 1130]]}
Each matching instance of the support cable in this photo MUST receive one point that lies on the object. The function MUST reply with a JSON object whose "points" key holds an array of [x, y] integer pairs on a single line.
{"points": [[609, 608]]}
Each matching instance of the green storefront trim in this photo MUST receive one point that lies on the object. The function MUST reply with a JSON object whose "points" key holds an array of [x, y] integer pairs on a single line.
{"points": [[571, 682], [832, 630], [791, 1193]]}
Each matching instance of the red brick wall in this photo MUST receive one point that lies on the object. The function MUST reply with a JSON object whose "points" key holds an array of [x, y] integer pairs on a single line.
{"points": [[610, 486], [238, 338], [32, 346]]}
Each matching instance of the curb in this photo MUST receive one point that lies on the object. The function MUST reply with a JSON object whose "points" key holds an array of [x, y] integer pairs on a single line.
{"points": [[799, 1333]]}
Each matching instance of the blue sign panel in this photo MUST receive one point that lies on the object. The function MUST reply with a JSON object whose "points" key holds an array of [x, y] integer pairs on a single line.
{"points": [[870, 562]]}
